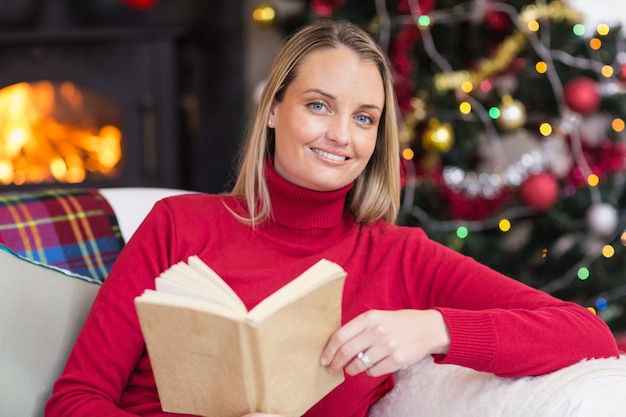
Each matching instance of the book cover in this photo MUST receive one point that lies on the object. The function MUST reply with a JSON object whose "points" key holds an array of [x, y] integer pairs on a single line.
{"points": [[212, 357]]}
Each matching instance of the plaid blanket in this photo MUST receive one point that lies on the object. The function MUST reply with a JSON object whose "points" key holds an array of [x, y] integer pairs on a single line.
{"points": [[73, 229]]}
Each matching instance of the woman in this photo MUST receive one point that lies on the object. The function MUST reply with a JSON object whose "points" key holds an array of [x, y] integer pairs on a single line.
{"points": [[319, 179]]}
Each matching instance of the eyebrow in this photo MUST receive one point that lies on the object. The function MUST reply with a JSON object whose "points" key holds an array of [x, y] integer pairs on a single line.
{"points": [[330, 96]]}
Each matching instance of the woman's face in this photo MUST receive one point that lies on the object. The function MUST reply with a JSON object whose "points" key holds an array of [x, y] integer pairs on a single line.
{"points": [[327, 123]]}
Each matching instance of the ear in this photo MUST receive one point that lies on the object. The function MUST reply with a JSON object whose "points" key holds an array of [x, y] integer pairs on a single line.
{"points": [[273, 108]]}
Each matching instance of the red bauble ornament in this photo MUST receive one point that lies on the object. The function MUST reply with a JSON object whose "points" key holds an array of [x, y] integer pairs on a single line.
{"points": [[622, 73], [140, 4], [620, 338], [498, 21], [581, 95], [325, 8], [539, 191]]}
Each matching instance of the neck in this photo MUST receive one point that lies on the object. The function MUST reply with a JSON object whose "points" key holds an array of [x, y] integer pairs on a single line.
{"points": [[303, 214]]}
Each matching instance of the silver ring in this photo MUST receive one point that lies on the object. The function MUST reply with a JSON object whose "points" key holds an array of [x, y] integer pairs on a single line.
{"points": [[365, 359]]}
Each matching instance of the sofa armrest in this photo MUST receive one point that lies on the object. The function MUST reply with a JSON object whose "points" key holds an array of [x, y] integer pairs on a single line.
{"points": [[589, 388], [42, 310]]}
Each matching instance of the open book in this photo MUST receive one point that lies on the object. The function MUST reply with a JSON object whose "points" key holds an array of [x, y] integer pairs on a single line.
{"points": [[211, 357]]}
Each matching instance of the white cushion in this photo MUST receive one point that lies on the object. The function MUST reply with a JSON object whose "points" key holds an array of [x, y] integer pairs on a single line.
{"points": [[586, 389], [132, 204], [41, 312]]}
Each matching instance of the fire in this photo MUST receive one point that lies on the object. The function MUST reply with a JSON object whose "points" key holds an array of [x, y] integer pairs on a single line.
{"points": [[47, 132]]}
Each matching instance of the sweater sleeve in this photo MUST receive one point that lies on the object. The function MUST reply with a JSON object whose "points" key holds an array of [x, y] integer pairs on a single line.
{"points": [[108, 369], [500, 325]]}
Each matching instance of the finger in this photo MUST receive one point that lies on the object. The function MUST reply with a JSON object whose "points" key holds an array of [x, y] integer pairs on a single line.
{"points": [[362, 362], [349, 350], [368, 361], [359, 354], [340, 339]]}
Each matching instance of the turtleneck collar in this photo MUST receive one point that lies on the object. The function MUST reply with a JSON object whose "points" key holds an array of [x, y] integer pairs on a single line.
{"points": [[302, 208]]}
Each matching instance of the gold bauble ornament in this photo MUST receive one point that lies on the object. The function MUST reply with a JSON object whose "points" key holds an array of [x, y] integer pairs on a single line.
{"points": [[438, 137], [512, 114]]}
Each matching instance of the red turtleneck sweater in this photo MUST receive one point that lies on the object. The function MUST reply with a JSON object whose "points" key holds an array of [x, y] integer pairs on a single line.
{"points": [[496, 324]]}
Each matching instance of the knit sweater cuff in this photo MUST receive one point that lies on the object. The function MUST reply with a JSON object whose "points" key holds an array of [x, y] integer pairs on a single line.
{"points": [[473, 341]]}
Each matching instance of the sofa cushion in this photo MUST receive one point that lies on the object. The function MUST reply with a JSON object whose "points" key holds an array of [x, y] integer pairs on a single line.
{"points": [[73, 229], [588, 388], [42, 309], [132, 204]]}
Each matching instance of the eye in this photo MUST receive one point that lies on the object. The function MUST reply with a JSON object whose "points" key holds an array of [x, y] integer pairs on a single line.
{"points": [[365, 119], [317, 106]]}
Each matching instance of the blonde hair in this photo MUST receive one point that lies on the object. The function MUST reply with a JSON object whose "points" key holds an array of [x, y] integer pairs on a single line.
{"points": [[376, 191]]}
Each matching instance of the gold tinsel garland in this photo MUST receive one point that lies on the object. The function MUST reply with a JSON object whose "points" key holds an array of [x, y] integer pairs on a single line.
{"points": [[510, 48]]}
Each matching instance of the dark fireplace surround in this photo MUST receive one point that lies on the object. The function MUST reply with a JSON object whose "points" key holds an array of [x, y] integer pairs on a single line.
{"points": [[174, 69]]}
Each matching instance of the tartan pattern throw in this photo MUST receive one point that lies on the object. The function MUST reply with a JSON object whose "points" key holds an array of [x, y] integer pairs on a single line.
{"points": [[72, 229]]}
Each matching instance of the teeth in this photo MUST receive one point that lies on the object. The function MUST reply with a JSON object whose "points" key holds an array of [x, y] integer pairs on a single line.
{"points": [[328, 155]]}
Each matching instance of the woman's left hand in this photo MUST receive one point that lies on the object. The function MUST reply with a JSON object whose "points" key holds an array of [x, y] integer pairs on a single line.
{"points": [[381, 342]]}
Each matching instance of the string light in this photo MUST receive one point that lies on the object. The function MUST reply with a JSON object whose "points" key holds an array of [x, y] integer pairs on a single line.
{"points": [[545, 129], [595, 44], [486, 86], [424, 21], [603, 29], [601, 303], [465, 107], [607, 71], [578, 29], [618, 125], [462, 232], [467, 87], [533, 26], [608, 251], [264, 15], [583, 274], [541, 67]]}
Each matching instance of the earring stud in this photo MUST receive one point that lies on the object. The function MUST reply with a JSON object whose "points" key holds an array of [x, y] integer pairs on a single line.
{"points": [[269, 123]]}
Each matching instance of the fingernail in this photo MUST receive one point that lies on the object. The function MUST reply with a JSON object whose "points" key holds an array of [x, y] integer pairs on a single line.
{"points": [[324, 361]]}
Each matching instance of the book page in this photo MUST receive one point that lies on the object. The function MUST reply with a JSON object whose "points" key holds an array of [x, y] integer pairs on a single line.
{"points": [[317, 275], [198, 265], [197, 280], [291, 342], [198, 360]]}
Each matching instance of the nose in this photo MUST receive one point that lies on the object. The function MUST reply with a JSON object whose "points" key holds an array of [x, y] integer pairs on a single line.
{"points": [[339, 130]]}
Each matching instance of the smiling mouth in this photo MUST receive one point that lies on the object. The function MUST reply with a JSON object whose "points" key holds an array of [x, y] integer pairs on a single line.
{"points": [[328, 155]]}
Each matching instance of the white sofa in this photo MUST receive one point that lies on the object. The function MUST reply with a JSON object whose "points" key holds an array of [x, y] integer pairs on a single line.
{"points": [[42, 310]]}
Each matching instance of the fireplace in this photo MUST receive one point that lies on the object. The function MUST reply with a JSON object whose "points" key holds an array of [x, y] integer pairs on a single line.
{"points": [[120, 93], [56, 131]]}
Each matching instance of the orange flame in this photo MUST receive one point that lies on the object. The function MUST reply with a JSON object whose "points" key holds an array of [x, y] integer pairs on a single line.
{"points": [[46, 134]]}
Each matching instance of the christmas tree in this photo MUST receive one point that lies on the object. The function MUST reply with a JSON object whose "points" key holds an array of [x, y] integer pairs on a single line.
{"points": [[512, 135]]}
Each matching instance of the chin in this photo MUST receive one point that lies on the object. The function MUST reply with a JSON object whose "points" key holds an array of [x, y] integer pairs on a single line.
{"points": [[325, 181], [325, 186]]}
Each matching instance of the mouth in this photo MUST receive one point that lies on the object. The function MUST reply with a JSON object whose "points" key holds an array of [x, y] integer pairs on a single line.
{"points": [[329, 156]]}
